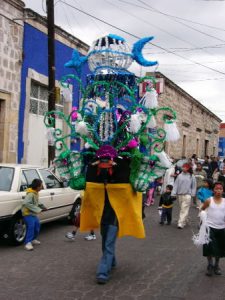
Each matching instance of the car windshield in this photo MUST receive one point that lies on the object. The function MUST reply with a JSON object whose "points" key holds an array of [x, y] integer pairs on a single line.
{"points": [[6, 178]]}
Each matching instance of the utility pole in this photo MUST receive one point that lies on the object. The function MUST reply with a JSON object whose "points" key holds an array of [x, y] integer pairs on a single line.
{"points": [[51, 68]]}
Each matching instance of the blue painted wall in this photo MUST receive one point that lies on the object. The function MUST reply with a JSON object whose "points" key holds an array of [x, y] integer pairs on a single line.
{"points": [[35, 50]]}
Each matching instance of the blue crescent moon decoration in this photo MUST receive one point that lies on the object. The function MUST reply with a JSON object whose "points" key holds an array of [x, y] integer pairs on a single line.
{"points": [[137, 52]]}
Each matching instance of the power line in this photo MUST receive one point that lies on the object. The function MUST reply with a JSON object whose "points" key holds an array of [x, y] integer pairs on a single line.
{"points": [[187, 42], [153, 25], [179, 22], [172, 16], [197, 80], [137, 37], [204, 62], [219, 46], [100, 20], [157, 11], [93, 20]]}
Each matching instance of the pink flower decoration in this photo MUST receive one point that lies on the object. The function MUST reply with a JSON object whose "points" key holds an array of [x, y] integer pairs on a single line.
{"points": [[74, 114], [132, 144]]}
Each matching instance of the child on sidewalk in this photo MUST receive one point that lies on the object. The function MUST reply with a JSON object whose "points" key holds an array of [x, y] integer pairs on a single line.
{"points": [[30, 209], [166, 203], [215, 209]]}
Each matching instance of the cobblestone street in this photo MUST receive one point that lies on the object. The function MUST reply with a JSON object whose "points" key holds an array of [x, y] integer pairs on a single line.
{"points": [[164, 266]]}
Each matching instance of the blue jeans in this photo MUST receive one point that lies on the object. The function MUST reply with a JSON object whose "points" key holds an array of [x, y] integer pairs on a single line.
{"points": [[33, 228], [166, 215], [109, 234]]}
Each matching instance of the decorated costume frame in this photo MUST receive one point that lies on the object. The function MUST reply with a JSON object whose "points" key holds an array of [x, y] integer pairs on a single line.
{"points": [[111, 121]]}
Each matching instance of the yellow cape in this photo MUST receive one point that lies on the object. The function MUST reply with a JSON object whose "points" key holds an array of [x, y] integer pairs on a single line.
{"points": [[126, 203]]}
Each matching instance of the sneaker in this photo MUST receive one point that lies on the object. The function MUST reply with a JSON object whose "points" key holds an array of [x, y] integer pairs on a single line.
{"points": [[28, 247], [70, 235], [209, 271], [217, 270], [90, 237], [101, 280], [36, 242]]}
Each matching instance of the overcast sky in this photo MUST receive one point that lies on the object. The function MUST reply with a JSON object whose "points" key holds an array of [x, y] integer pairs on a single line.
{"points": [[194, 30]]}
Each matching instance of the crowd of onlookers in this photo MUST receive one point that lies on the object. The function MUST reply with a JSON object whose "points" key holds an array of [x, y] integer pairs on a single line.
{"points": [[188, 180], [201, 182]]}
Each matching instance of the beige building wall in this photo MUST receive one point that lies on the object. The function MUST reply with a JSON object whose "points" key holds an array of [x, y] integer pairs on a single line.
{"points": [[198, 126], [11, 41]]}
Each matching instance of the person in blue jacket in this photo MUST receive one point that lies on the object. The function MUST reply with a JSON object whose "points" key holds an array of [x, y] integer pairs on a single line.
{"points": [[205, 192]]}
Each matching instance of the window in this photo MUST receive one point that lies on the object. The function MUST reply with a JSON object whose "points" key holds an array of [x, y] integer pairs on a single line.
{"points": [[39, 99], [197, 147], [184, 146], [23, 183], [50, 180], [6, 178], [206, 149], [28, 176]]}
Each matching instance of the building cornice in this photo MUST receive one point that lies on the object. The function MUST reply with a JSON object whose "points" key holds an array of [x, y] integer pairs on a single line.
{"points": [[18, 4], [32, 18], [188, 96]]}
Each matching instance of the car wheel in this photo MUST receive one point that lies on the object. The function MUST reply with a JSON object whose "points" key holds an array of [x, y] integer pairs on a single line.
{"points": [[17, 230], [74, 212]]}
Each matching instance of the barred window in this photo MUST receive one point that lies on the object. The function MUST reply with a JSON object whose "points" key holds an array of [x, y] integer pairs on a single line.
{"points": [[39, 99]]}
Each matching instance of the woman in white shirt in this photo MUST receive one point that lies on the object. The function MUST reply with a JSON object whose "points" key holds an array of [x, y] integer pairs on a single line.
{"points": [[215, 208]]}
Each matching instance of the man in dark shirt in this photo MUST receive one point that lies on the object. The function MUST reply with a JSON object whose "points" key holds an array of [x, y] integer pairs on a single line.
{"points": [[206, 166]]}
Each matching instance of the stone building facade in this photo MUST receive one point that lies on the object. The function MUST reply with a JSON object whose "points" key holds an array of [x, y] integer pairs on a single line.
{"points": [[11, 41], [198, 126], [23, 75]]}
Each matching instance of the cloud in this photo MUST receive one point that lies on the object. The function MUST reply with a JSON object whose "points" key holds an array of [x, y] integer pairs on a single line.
{"points": [[144, 18]]}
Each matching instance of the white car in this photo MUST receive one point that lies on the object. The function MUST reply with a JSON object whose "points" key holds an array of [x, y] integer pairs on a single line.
{"points": [[59, 199]]}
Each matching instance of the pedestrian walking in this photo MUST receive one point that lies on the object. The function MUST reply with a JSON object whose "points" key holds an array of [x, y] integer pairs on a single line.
{"points": [[111, 204], [166, 203], [207, 167], [150, 193], [72, 234], [30, 209], [204, 192], [214, 166], [200, 176], [168, 178], [220, 176], [215, 209], [184, 188]]}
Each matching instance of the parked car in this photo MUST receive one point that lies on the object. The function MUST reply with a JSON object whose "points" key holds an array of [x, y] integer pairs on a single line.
{"points": [[59, 199]]}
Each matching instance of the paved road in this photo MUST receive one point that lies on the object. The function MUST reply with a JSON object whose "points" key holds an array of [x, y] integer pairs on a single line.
{"points": [[164, 266]]}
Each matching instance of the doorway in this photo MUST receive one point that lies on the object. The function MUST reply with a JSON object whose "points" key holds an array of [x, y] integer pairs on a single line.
{"points": [[184, 146], [206, 148]]}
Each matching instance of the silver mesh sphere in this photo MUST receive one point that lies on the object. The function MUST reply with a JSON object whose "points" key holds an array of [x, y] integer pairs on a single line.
{"points": [[111, 53]]}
